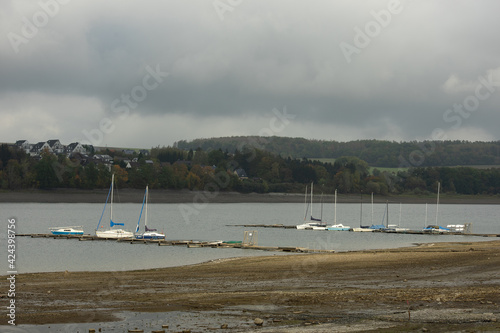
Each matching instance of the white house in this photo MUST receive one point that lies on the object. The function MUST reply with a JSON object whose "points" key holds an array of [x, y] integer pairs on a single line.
{"points": [[74, 148], [38, 148], [56, 146], [23, 144]]}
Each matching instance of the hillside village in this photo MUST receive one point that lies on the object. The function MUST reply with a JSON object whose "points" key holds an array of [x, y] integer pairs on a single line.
{"points": [[85, 154], [51, 164]]}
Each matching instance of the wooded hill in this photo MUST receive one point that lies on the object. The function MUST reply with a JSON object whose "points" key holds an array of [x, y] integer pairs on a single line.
{"points": [[376, 153]]}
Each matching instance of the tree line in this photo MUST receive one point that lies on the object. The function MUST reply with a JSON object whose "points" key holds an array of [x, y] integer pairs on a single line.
{"points": [[176, 169], [378, 153]]}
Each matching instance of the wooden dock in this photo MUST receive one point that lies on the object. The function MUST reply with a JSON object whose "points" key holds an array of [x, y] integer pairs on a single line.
{"points": [[187, 243], [409, 232]]}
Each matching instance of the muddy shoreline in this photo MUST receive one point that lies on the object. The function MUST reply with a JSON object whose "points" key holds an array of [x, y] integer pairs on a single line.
{"points": [[186, 196], [442, 287]]}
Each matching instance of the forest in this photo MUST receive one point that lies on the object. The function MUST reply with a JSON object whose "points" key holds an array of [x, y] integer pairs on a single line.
{"points": [[376, 153], [216, 170]]}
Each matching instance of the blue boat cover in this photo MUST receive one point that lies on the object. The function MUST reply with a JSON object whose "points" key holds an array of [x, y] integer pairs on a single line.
{"points": [[111, 223]]}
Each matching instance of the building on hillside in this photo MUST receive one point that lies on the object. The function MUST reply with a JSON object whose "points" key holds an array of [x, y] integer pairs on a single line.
{"points": [[56, 146], [74, 148], [241, 173], [24, 145], [38, 148], [105, 160]]}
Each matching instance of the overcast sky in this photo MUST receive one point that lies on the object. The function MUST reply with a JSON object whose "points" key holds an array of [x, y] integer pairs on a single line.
{"points": [[147, 73]]}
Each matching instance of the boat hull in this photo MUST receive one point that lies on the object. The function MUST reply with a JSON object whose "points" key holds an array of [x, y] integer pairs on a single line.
{"points": [[67, 232], [339, 227], [363, 229], [150, 235], [311, 226], [114, 234]]}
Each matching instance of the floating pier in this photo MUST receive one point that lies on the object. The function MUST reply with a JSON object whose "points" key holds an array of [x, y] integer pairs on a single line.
{"points": [[187, 243], [410, 232]]}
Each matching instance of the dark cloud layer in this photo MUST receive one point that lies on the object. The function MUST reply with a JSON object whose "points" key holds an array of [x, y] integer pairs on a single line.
{"points": [[230, 63]]}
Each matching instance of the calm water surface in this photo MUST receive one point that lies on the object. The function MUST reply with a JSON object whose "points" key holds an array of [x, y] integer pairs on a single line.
{"points": [[209, 222]]}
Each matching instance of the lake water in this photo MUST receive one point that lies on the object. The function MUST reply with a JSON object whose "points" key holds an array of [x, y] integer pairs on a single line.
{"points": [[209, 222]]}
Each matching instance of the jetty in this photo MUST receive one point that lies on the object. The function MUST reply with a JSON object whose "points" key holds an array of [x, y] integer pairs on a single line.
{"points": [[246, 244], [409, 232]]}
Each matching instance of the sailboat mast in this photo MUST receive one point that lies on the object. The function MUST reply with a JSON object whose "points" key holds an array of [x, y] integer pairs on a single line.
{"points": [[400, 209], [425, 223], [387, 208], [361, 211], [112, 189], [321, 217], [335, 207], [146, 215], [312, 185], [437, 204], [305, 205], [372, 208]]}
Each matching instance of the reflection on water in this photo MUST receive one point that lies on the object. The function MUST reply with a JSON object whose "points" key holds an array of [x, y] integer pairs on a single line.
{"points": [[210, 222]]}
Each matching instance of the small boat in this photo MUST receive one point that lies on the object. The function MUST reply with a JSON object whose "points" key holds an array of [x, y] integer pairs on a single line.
{"points": [[435, 228], [337, 226], [456, 227], [363, 228], [111, 232], [67, 230], [148, 233], [395, 227], [314, 224]]}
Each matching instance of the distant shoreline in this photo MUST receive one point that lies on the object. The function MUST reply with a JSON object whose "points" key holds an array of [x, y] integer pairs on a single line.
{"points": [[186, 196]]}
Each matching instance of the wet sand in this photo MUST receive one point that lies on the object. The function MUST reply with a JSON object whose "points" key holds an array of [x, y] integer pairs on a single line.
{"points": [[438, 287], [186, 196]]}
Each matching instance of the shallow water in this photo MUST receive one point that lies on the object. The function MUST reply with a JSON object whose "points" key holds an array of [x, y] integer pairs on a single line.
{"points": [[209, 222]]}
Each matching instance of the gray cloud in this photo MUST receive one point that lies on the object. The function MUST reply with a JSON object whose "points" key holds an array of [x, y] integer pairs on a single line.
{"points": [[262, 55]]}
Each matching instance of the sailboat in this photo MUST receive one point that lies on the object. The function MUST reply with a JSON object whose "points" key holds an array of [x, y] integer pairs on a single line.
{"points": [[337, 226], [111, 232], [148, 233], [314, 224], [436, 228], [393, 227], [362, 228], [383, 226]]}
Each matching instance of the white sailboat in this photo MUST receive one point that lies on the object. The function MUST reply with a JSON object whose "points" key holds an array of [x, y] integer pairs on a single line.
{"points": [[362, 228], [337, 226], [436, 228], [67, 230], [314, 223], [113, 233], [148, 233], [394, 227]]}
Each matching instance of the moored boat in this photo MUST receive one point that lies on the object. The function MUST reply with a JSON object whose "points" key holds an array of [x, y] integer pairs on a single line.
{"points": [[113, 233], [148, 233], [67, 230], [435, 229], [314, 223], [337, 226]]}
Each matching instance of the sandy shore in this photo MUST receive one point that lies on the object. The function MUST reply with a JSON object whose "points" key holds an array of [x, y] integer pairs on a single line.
{"points": [[439, 287], [186, 196]]}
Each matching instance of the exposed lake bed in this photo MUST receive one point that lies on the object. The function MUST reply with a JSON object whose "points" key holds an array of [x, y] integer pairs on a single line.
{"points": [[446, 285]]}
